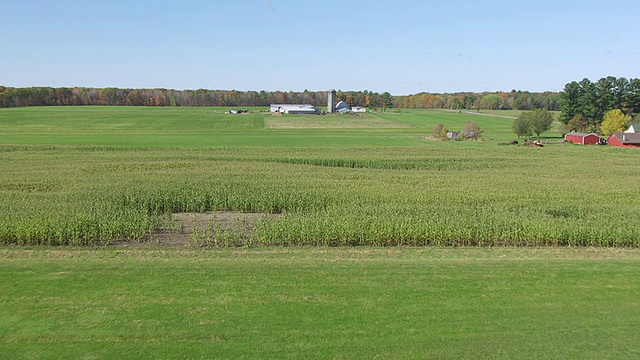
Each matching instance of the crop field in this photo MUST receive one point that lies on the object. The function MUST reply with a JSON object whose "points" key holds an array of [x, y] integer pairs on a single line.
{"points": [[191, 232], [80, 185]]}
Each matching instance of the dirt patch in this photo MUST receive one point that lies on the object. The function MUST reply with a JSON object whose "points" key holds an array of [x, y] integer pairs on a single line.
{"points": [[197, 229]]}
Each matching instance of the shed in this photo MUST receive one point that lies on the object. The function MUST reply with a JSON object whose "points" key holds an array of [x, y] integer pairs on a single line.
{"points": [[582, 138], [453, 135], [624, 139]]}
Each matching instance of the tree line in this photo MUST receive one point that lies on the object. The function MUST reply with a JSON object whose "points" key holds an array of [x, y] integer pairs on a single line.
{"points": [[49, 96], [513, 100], [585, 103]]}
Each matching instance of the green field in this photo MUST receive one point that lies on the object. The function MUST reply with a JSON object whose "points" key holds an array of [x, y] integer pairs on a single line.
{"points": [[320, 303], [95, 175], [206, 127], [321, 236]]}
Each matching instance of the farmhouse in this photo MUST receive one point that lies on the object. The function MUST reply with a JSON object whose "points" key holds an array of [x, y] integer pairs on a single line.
{"points": [[582, 138], [624, 139], [294, 109]]}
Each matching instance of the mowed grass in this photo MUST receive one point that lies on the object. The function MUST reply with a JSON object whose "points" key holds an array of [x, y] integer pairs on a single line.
{"points": [[337, 121], [207, 127], [320, 303]]}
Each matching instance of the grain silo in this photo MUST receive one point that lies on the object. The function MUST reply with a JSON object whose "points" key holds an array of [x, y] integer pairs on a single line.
{"points": [[331, 101]]}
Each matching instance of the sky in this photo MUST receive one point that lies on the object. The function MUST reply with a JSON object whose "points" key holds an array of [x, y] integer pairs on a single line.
{"points": [[401, 46]]}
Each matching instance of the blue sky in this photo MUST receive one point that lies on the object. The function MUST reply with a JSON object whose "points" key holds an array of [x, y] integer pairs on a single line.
{"points": [[401, 46]]}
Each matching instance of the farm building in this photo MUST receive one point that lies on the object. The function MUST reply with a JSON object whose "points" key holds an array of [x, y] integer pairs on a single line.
{"points": [[342, 107], [624, 139], [452, 135], [582, 138], [634, 128], [294, 109]]}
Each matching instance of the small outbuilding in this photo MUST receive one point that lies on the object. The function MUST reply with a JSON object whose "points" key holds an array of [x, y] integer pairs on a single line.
{"points": [[582, 138], [453, 135], [624, 139]]}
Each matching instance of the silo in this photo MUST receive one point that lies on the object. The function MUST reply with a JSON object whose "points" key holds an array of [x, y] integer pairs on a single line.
{"points": [[331, 102]]}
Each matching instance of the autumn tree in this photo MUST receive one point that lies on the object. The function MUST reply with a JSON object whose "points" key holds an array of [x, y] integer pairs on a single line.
{"points": [[614, 121], [440, 132], [471, 130]]}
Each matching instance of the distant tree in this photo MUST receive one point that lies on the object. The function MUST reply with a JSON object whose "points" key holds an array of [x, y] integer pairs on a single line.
{"points": [[614, 121], [563, 129], [622, 87], [491, 102], [387, 100], [577, 124], [440, 132], [541, 121], [522, 125], [350, 100], [632, 97], [605, 95], [570, 100], [471, 130], [587, 101]]}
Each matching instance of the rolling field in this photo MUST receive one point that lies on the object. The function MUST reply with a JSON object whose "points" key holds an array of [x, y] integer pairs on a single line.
{"points": [[269, 268]]}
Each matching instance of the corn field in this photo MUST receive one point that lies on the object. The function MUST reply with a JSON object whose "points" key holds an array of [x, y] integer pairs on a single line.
{"points": [[469, 196]]}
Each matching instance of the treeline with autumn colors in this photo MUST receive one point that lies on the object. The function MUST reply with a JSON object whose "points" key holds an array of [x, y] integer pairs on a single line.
{"points": [[513, 100], [48, 96]]}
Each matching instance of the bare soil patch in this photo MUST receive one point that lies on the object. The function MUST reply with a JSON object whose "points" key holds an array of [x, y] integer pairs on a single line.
{"points": [[182, 227]]}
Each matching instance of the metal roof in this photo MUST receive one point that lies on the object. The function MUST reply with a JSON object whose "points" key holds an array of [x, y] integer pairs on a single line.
{"points": [[628, 138], [579, 134]]}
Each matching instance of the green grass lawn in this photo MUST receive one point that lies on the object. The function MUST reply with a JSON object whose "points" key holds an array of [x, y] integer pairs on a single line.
{"points": [[320, 303], [206, 127]]}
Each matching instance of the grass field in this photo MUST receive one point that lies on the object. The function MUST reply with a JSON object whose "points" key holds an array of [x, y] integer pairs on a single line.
{"points": [[337, 237], [206, 127], [320, 303]]}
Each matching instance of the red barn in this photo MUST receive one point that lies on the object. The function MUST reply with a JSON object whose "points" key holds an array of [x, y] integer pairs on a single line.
{"points": [[625, 139], [582, 138]]}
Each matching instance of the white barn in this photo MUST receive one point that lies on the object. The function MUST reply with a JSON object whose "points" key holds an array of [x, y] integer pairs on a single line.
{"points": [[294, 109]]}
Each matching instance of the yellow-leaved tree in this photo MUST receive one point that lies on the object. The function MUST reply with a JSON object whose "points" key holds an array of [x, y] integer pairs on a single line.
{"points": [[614, 121]]}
